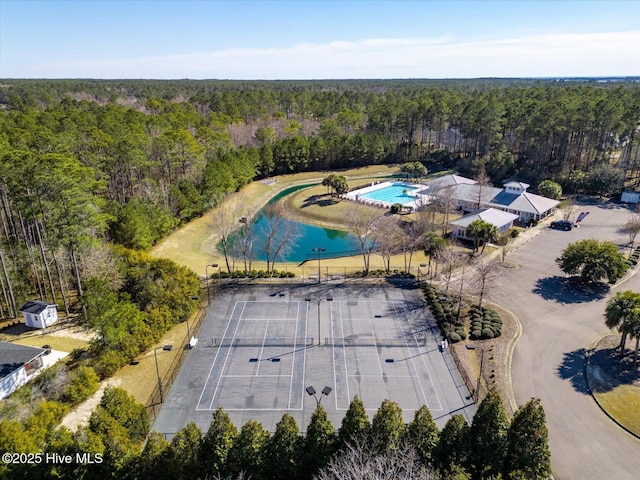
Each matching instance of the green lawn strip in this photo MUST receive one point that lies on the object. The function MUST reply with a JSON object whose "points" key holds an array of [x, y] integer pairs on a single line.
{"points": [[623, 404], [64, 344]]}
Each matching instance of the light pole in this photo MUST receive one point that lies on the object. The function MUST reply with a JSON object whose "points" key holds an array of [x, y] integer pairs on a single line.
{"points": [[319, 300], [195, 297], [474, 347], [206, 273], [319, 250], [312, 391], [166, 348]]}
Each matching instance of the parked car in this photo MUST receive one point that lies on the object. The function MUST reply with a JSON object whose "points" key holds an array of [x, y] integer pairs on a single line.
{"points": [[565, 225]]}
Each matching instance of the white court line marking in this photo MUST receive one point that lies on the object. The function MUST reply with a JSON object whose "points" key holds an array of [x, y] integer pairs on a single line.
{"points": [[375, 344], [226, 359], [293, 363], [346, 369], [430, 381], [260, 409], [304, 357], [271, 319], [333, 357], [388, 376], [261, 376], [409, 352], [264, 339], [217, 353]]}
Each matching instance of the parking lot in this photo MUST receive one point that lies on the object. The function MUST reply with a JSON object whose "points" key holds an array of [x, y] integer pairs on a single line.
{"points": [[559, 325]]}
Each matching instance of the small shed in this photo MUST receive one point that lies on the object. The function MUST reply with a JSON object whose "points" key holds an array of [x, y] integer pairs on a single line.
{"points": [[38, 314], [18, 364], [630, 197]]}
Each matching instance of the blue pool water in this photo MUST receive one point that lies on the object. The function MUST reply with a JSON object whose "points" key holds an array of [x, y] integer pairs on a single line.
{"points": [[394, 193]]}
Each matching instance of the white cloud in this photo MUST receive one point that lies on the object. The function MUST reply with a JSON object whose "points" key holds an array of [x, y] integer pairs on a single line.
{"points": [[596, 54]]}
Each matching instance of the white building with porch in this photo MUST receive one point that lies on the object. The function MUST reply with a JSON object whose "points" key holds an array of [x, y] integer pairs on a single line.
{"points": [[503, 221], [470, 196]]}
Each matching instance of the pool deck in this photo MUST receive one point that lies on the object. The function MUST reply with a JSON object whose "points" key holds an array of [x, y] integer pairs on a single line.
{"points": [[420, 198]]}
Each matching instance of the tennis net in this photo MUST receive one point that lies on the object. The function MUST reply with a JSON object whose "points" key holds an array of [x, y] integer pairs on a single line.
{"points": [[410, 341]]}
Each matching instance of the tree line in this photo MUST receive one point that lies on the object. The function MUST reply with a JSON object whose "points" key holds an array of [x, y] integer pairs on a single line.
{"points": [[381, 447], [84, 163]]}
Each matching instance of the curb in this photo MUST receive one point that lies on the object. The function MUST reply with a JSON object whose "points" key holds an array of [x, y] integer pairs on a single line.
{"points": [[587, 362], [511, 346]]}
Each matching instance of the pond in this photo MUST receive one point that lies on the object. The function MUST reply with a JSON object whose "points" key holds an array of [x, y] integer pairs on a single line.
{"points": [[336, 243]]}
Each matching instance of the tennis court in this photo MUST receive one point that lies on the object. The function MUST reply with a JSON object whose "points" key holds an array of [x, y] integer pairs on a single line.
{"points": [[260, 348]]}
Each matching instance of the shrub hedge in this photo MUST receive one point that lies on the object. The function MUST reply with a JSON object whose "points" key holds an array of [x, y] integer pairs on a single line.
{"points": [[485, 323]]}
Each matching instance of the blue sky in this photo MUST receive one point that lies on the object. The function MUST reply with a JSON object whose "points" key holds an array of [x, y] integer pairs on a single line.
{"points": [[299, 39]]}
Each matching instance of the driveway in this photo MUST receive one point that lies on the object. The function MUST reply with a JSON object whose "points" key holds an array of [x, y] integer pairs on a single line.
{"points": [[558, 326]]}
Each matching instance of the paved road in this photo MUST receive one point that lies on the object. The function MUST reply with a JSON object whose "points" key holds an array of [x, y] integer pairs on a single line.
{"points": [[558, 326]]}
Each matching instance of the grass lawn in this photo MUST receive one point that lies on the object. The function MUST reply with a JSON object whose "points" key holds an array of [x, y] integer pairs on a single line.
{"points": [[194, 245], [64, 344], [140, 379], [614, 381], [623, 404]]}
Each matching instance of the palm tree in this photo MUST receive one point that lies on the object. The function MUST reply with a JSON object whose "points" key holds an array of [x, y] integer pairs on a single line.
{"points": [[623, 312], [633, 328], [481, 231]]}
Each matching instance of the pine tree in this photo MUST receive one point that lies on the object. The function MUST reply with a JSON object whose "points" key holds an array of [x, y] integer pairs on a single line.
{"points": [[184, 452], [216, 444], [283, 452], [320, 441], [488, 437], [453, 447], [528, 453], [387, 426], [422, 433], [355, 424], [246, 455]]}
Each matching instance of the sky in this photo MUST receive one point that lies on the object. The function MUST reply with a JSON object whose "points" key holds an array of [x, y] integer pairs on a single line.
{"points": [[300, 39]]}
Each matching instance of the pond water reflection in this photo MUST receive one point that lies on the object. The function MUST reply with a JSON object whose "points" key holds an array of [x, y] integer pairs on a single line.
{"points": [[336, 243]]}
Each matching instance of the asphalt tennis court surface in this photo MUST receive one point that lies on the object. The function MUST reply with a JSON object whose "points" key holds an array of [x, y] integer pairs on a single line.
{"points": [[258, 351]]}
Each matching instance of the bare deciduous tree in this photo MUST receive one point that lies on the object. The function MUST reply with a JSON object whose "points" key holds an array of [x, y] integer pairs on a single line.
{"points": [[363, 222], [225, 221], [632, 227], [388, 239], [487, 274], [450, 259], [448, 204], [361, 461], [279, 232], [482, 181], [507, 248], [569, 207]]}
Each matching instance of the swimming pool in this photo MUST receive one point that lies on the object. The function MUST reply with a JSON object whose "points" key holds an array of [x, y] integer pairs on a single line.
{"points": [[397, 192]]}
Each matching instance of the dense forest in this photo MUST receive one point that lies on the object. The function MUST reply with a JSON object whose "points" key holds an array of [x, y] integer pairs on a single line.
{"points": [[88, 164]]}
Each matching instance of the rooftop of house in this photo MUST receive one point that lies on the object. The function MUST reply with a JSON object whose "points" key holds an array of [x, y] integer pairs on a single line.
{"points": [[13, 356], [470, 192], [493, 216]]}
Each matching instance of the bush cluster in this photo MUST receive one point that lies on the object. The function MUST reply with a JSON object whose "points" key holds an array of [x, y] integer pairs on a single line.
{"points": [[633, 259], [442, 308], [485, 323], [254, 274], [384, 273]]}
